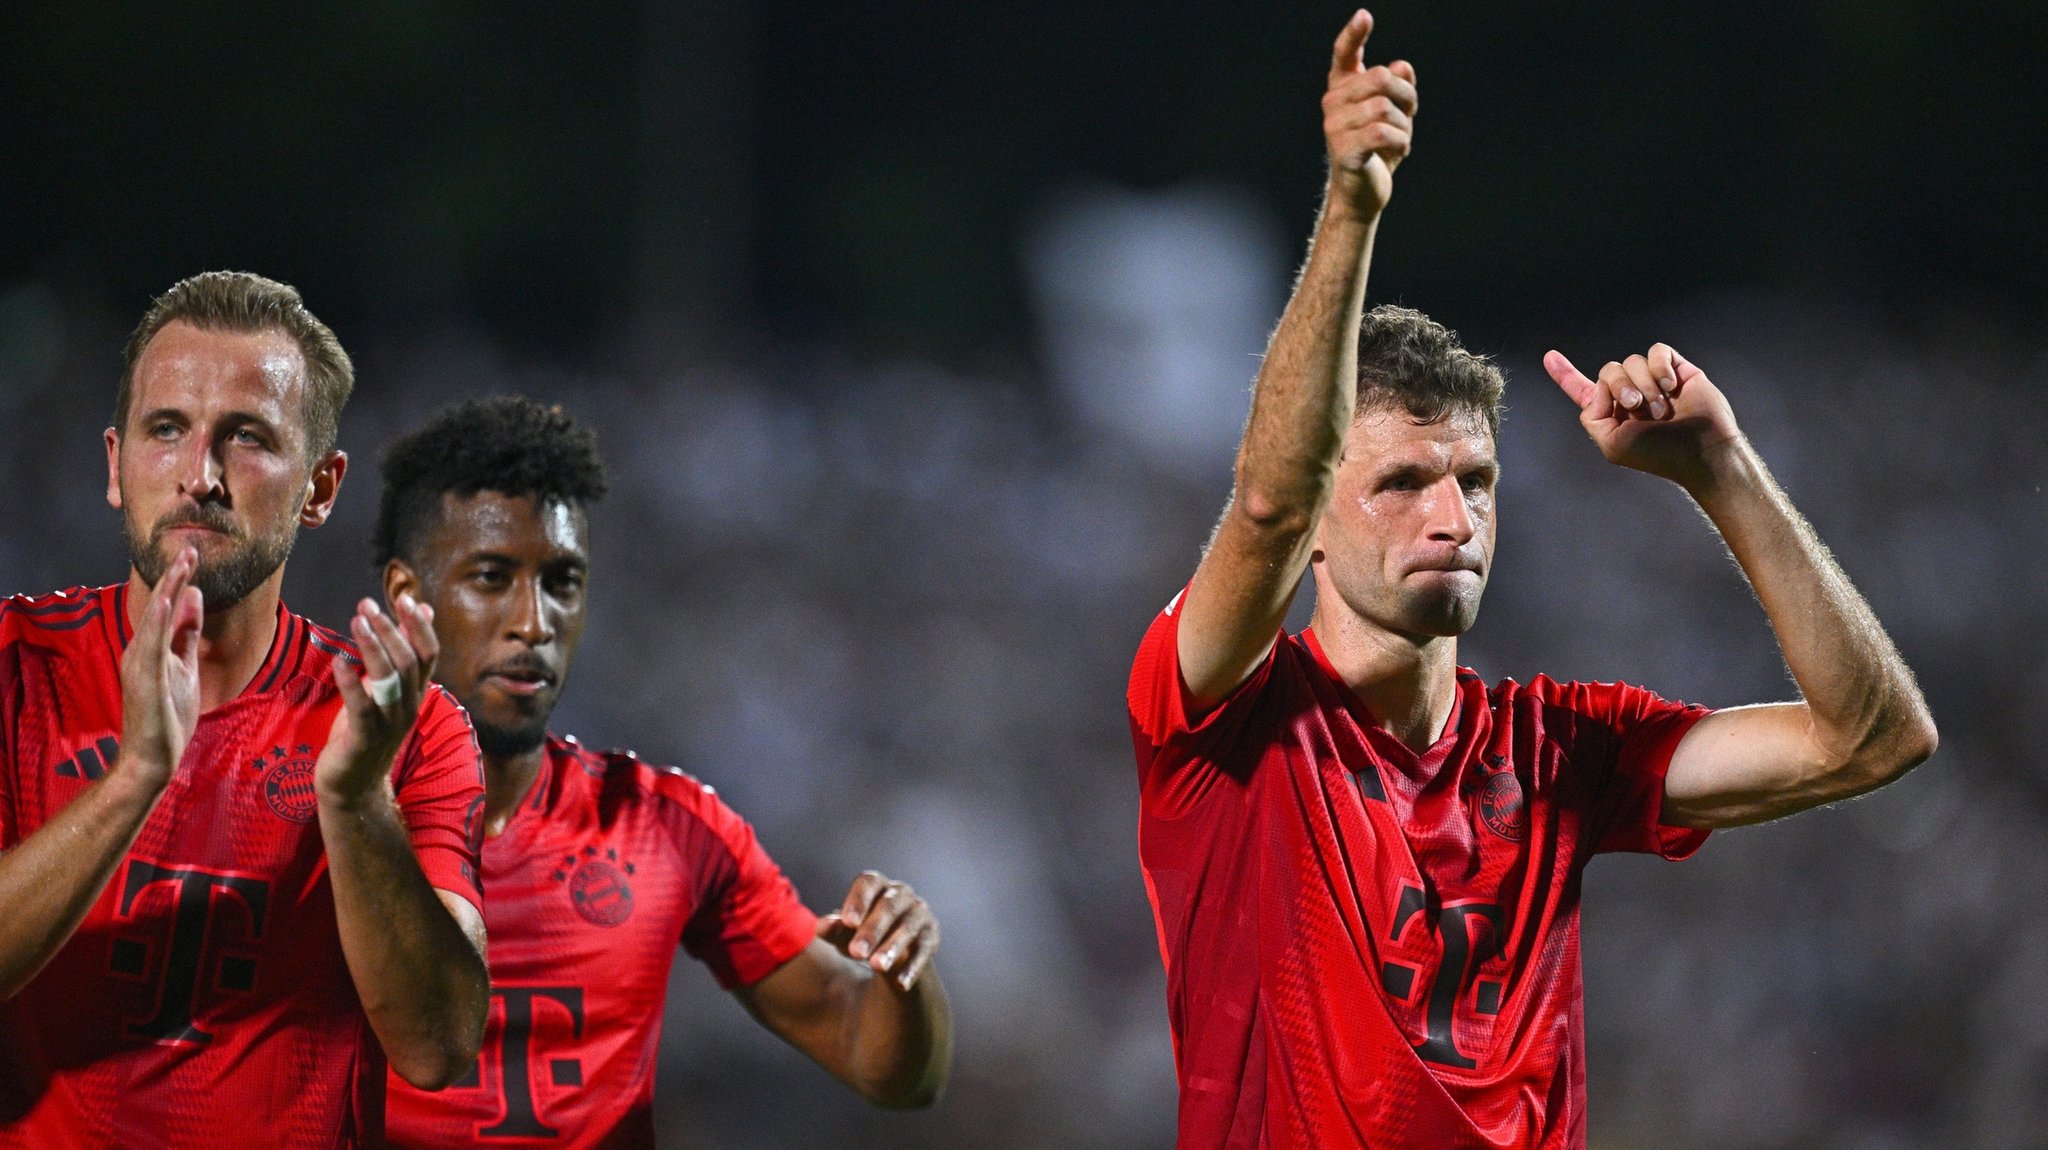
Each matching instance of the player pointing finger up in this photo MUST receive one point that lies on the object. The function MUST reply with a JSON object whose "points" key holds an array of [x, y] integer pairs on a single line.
{"points": [[1368, 117], [1364, 861]]}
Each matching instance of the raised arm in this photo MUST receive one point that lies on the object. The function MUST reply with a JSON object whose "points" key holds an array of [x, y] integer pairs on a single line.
{"points": [[416, 953], [1862, 722], [1303, 400], [863, 1000], [51, 879]]}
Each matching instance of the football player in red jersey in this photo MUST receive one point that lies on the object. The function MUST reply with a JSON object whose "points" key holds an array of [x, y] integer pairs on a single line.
{"points": [[599, 864], [238, 855], [1363, 862]]}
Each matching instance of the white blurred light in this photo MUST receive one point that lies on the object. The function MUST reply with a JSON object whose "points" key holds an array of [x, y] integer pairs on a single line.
{"points": [[1153, 310]]}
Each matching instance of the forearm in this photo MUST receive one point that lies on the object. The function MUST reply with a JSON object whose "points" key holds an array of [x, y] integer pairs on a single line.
{"points": [[1307, 385], [1865, 708], [51, 879], [420, 976], [899, 1043]]}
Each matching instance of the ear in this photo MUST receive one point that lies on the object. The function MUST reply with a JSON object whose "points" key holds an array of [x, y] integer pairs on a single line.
{"points": [[113, 438], [401, 579], [322, 486]]}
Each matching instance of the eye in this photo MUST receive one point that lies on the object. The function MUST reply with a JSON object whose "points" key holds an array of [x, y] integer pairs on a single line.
{"points": [[1400, 483], [163, 429], [1476, 481], [247, 437], [491, 578], [567, 585]]}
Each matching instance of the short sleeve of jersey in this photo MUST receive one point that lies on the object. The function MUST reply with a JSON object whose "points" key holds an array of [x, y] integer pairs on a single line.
{"points": [[751, 920], [440, 786], [1642, 732], [9, 688], [1179, 758]]}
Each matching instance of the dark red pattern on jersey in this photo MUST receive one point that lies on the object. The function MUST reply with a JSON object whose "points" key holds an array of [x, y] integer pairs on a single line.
{"points": [[606, 866], [204, 1001], [1367, 947]]}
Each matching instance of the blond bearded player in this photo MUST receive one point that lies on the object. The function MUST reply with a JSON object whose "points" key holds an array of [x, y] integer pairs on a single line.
{"points": [[239, 872], [1364, 862]]}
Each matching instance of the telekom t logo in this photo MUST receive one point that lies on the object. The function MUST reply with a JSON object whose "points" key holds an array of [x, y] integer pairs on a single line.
{"points": [[1468, 934], [214, 919], [526, 1008]]}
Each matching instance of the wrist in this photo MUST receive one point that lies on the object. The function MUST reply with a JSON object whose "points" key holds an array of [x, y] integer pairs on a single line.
{"points": [[1724, 467], [137, 777], [1349, 199], [347, 797]]}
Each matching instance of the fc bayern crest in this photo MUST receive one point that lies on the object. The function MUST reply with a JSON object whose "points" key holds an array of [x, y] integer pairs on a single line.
{"points": [[288, 788], [598, 888], [1501, 806]]}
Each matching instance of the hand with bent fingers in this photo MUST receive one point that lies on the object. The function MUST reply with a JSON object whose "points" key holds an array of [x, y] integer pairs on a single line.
{"points": [[1368, 118], [884, 924], [1657, 413], [367, 734], [160, 676]]}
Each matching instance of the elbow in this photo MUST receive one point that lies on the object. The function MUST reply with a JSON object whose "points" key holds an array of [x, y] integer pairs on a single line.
{"points": [[432, 1070], [438, 1062], [1900, 746], [916, 1100], [918, 1095], [1918, 742]]}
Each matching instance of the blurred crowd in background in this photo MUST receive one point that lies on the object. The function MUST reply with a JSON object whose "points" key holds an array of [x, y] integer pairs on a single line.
{"points": [[887, 608], [903, 467]]}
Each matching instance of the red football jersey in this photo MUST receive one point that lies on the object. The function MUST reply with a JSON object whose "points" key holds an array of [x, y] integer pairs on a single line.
{"points": [[1366, 947], [204, 1001], [605, 867]]}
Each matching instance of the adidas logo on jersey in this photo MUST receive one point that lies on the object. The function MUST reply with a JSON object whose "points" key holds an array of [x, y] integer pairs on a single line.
{"points": [[90, 762]]}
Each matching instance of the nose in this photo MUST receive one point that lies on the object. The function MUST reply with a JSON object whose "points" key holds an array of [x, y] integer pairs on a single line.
{"points": [[201, 472], [1450, 519], [532, 622]]}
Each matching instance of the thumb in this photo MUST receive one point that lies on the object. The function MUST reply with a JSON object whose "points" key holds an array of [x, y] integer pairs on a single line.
{"points": [[1686, 370], [1581, 390]]}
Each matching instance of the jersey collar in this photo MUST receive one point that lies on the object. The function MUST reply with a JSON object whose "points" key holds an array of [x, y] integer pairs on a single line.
{"points": [[1383, 743], [286, 639]]}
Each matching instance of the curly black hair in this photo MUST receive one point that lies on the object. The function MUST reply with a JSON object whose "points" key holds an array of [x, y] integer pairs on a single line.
{"points": [[508, 444]]}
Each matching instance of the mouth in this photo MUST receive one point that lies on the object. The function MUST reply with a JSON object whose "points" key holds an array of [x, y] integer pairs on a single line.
{"points": [[200, 524], [521, 680]]}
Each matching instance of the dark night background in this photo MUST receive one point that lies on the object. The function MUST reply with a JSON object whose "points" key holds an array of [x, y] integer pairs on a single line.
{"points": [[845, 289]]}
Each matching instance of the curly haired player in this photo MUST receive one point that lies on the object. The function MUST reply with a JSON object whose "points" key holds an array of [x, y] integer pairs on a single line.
{"points": [[597, 863]]}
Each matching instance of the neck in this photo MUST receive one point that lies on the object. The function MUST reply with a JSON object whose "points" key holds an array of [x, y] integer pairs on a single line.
{"points": [[507, 779], [1408, 681], [232, 640]]}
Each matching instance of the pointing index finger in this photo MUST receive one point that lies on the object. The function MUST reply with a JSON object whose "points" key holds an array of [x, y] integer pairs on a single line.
{"points": [[1348, 54]]}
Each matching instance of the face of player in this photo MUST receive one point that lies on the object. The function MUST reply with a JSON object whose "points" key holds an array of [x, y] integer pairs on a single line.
{"points": [[214, 457], [506, 578], [1407, 541]]}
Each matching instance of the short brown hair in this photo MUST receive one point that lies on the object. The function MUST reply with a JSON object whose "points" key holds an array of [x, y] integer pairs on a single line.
{"points": [[245, 302], [1410, 361]]}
